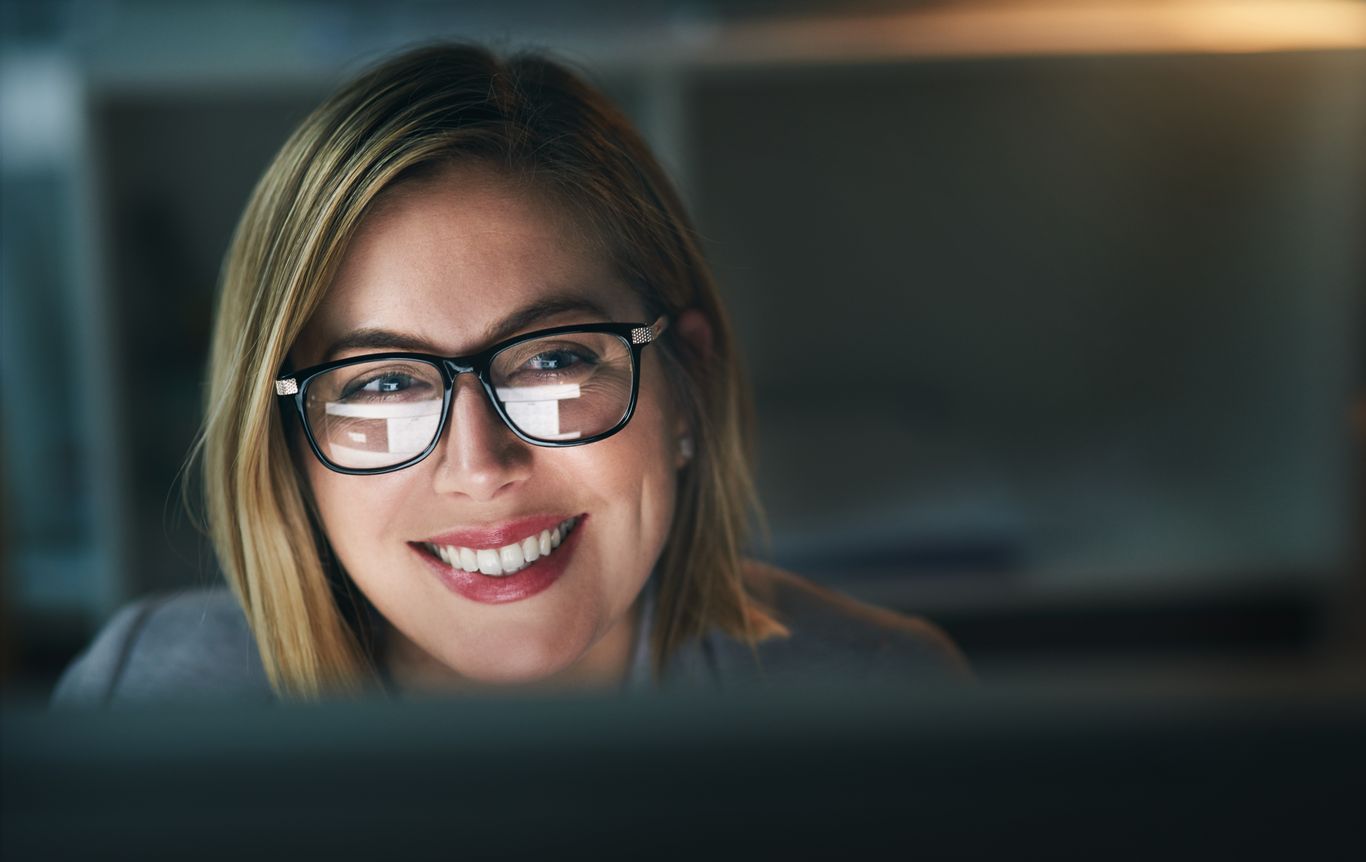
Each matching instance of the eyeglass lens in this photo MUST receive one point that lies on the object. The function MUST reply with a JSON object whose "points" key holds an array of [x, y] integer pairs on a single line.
{"points": [[557, 388]]}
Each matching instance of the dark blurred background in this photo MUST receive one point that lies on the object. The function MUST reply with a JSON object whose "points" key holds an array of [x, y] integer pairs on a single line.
{"points": [[1053, 311]]}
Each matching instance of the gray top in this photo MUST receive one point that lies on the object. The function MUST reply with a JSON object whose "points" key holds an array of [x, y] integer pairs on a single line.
{"points": [[196, 646]]}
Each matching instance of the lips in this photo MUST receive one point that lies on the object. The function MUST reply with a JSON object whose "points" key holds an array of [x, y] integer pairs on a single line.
{"points": [[505, 563], [506, 559]]}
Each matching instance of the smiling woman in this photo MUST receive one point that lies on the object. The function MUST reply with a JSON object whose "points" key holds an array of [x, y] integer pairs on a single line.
{"points": [[475, 419]]}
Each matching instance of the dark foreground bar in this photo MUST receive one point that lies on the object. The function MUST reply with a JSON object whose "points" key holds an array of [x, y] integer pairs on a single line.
{"points": [[998, 773]]}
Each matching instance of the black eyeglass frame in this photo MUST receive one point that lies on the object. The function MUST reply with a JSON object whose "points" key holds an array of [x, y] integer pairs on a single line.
{"points": [[294, 385]]}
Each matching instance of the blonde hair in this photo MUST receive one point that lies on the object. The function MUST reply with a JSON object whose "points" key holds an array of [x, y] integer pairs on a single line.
{"points": [[526, 116]]}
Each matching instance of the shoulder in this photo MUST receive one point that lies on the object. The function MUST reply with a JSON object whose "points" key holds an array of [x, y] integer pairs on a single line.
{"points": [[830, 635], [192, 645]]}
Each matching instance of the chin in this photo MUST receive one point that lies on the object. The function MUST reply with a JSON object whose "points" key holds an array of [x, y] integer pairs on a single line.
{"points": [[521, 663]]}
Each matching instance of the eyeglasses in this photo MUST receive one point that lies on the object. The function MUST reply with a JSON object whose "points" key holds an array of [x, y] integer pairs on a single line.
{"points": [[564, 386]]}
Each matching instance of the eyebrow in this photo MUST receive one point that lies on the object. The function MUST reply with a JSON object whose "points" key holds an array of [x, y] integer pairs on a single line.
{"points": [[388, 339]]}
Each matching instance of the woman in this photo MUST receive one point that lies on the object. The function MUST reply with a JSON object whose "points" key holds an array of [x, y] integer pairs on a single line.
{"points": [[475, 419]]}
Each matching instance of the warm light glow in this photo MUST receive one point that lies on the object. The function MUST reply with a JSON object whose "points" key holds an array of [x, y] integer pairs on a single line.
{"points": [[1022, 29]]}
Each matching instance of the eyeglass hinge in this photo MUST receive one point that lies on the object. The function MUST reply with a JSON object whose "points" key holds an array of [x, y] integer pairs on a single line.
{"points": [[647, 334], [288, 386]]}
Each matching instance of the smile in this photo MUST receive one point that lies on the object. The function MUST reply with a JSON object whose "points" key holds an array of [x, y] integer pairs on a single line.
{"points": [[507, 559]]}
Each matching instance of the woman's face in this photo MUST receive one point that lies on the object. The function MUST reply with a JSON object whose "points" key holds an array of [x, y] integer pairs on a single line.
{"points": [[449, 266]]}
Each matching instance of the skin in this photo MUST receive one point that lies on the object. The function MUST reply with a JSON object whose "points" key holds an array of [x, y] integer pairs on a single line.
{"points": [[445, 262]]}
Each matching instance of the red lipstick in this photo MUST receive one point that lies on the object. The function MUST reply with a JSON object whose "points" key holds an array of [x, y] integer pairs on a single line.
{"points": [[500, 589]]}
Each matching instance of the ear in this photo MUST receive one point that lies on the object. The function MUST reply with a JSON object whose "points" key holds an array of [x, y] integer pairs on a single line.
{"points": [[695, 330]]}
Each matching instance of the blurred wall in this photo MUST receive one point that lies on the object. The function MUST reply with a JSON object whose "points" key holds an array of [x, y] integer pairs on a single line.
{"points": [[1084, 318], [1033, 325]]}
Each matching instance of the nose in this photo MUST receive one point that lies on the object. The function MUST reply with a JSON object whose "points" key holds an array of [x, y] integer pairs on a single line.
{"points": [[479, 457]]}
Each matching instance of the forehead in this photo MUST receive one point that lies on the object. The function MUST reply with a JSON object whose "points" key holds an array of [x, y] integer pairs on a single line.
{"points": [[448, 258]]}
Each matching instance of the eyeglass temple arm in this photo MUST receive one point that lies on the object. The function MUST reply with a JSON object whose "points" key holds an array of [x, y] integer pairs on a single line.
{"points": [[647, 334]]}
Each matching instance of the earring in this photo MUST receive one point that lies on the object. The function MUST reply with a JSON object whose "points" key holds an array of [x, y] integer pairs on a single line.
{"points": [[685, 447]]}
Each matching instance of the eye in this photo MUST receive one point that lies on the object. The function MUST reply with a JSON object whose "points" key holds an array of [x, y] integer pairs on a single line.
{"points": [[386, 383], [554, 360], [566, 358]]}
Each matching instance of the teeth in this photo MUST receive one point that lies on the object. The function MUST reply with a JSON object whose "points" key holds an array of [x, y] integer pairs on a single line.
{"points": [[512, 558], [469, 560], [490, 563], [507, 559]]}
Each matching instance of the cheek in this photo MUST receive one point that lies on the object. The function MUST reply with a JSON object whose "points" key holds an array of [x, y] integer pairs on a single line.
{"points": [[356, 511], [643, 462]]}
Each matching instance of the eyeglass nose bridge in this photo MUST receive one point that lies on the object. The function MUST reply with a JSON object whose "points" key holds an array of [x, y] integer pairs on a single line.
{"points": [[457, 365], [453, 367]]}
